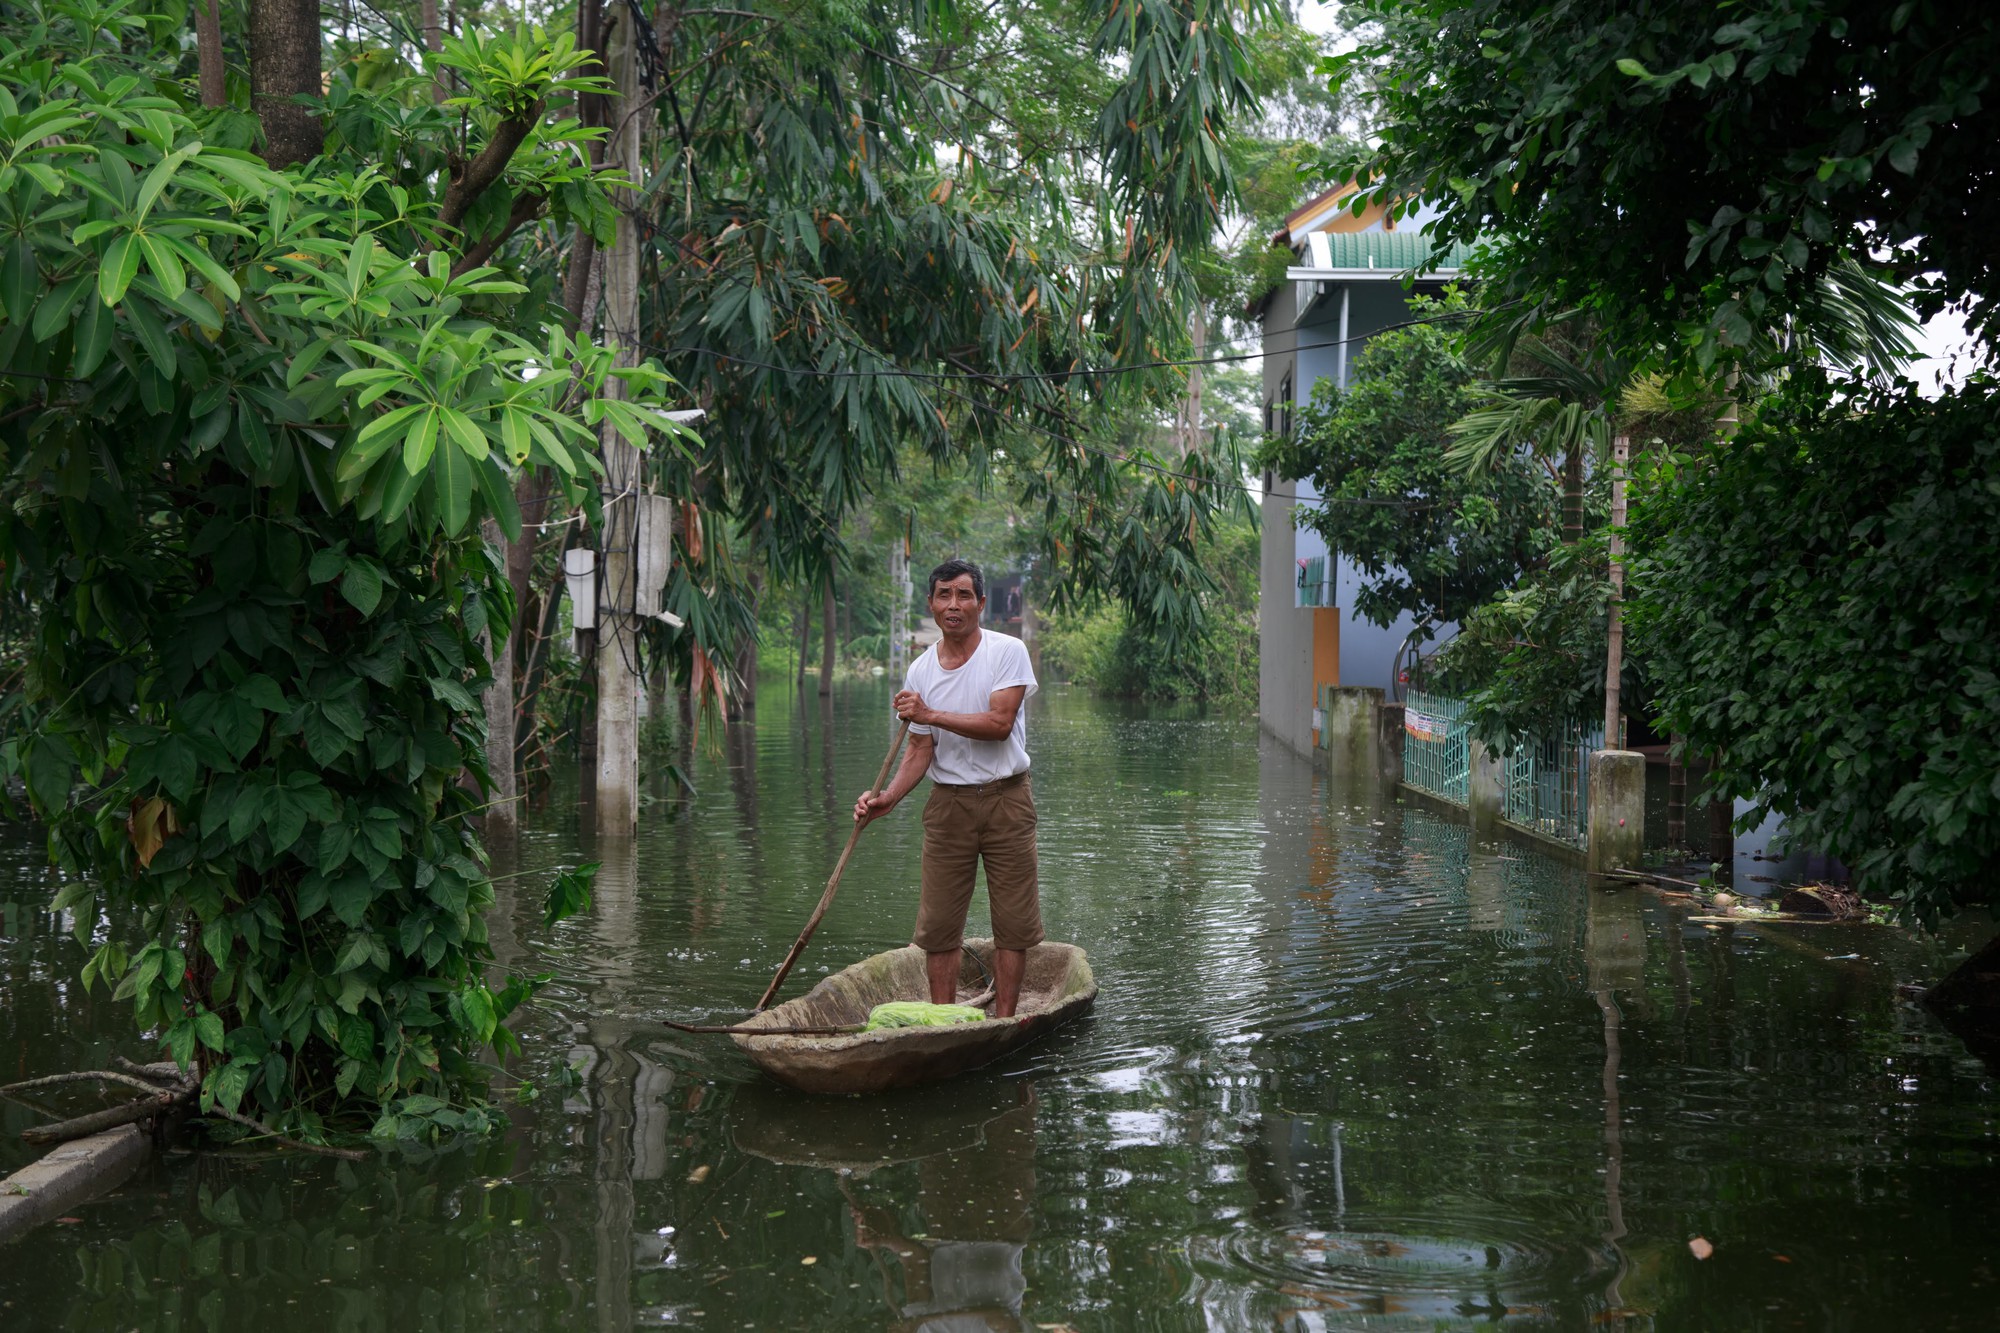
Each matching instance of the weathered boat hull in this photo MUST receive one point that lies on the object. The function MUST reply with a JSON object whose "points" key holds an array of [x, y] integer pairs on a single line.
{"points": [[1057, 987]]}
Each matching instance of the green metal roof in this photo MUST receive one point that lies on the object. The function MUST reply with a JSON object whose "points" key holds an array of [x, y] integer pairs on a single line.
{"points": [[1396, 251]]}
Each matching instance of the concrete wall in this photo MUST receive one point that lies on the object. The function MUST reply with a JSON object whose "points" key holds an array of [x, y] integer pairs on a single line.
{"points": [[1367, 651], [1284, 633]]}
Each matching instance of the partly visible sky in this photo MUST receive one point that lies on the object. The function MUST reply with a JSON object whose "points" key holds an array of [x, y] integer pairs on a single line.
{"points": [[1939, 341]]}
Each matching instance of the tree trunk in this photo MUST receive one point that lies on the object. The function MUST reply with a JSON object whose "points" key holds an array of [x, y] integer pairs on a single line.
{"points": [[586, 719], [745, 703], [1614, 657], [1722, 835], [208, 51], [659, 703], [826, 635], [533, 497], [1030, 630], [1677, 787], [803, 624], [502, 810], [284, 64], [433, 32], [580, 280], [1573, 496], [617, 772], [534, 672]]}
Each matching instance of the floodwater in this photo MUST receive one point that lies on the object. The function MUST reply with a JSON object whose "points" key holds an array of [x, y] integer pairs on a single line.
{"points": [[1347, 1071]]}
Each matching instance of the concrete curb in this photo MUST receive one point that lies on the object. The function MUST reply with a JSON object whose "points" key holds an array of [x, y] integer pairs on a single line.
{"points": [[68, 1175]]}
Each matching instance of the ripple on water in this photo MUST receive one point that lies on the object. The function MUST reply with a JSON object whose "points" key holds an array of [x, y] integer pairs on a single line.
{"points": [[1423, 1268]]}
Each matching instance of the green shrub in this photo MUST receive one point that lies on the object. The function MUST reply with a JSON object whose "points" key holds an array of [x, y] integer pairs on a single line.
{"points": [[1817, 604]]}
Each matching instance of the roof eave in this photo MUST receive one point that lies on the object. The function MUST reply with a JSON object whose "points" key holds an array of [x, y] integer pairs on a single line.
{"points": [[1366, 274]]}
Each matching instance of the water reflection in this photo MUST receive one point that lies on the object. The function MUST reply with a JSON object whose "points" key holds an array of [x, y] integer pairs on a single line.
{"points": [[1615, 957], [947, 1238]]}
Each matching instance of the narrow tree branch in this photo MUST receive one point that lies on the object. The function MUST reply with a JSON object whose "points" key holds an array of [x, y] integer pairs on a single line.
{"points": [[526, 208], [98, 1121], [83, 1076], [433, 34], [345, 1154], [208, 51], [471, 179], [162, 1072]]}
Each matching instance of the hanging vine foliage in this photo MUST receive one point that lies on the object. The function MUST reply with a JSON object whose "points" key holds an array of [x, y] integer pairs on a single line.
{"points": [[251, 422]]}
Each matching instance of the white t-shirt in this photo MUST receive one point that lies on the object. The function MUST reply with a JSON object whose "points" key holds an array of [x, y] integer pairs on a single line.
{"points": [[998, 663]]}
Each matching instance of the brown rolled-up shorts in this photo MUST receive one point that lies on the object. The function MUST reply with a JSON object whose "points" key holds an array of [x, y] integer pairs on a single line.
{"points": [[993, 822]]}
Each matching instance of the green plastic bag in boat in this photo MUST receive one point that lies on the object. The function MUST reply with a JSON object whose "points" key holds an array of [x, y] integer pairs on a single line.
{"points": [[919, 1014]]}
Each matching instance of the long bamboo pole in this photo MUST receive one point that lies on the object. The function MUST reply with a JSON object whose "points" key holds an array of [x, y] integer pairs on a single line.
{"points": [[832, 885]]}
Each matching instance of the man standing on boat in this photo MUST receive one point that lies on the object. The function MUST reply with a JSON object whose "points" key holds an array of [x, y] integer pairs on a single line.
{"points": [[963, 700]]}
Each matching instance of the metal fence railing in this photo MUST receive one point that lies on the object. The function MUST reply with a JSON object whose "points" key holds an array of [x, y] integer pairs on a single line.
{"points": [[1547, 784], [1436, 757]]}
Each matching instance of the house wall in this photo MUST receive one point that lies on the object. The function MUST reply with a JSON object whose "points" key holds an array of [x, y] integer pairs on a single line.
{"points": [[1284, 630], [1366, 654]]}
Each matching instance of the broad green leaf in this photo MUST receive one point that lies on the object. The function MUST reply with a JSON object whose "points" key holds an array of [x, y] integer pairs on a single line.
{"points": [[56, 309], [201, 262], [452, 475], [420, 441], [164, 264], [361, 585], [94, 328], [157, 178], [117, 269], [514, 436], [208, 1030], [326, 565], [467, 435]]}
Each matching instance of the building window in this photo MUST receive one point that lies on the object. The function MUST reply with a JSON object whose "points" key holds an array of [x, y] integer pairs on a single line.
{"points": [[1315, 588], [1285, 406]]}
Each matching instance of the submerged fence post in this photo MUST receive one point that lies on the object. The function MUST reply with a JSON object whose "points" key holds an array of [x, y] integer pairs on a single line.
{"points": [[1485, 793], [1617, 831], [1348, 727], [1389, 743]]}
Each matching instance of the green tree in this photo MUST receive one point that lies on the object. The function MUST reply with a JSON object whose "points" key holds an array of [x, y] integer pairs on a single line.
{"points": [[1689, 175], [1817, 606], [1431, 538], [1531, 662], [252, 421], [1100, 647], [888, 228], [1724, 192]]}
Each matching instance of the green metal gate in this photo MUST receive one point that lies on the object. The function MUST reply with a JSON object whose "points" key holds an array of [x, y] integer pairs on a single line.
{"points": [[1435, 752], [1547, 786]]}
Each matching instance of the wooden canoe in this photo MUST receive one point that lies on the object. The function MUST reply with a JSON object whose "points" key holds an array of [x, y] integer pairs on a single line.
{"points": [[1056, 988]]}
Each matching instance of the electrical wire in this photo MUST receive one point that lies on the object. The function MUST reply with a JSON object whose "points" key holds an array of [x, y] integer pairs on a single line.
{"points": [[1007, 377]]}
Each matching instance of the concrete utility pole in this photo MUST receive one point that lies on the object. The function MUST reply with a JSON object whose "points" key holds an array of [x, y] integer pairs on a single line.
{"points": [[1616, 835], [1614, 666], [617, 640]]}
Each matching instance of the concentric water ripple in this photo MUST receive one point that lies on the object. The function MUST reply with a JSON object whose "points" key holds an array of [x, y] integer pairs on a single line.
{"points": [[1477, 1268]]}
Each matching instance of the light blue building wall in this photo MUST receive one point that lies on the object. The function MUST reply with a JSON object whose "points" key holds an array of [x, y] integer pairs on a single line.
{"points": [[1348, 284]]}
